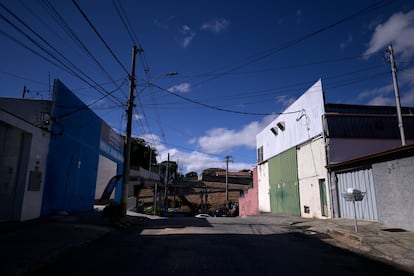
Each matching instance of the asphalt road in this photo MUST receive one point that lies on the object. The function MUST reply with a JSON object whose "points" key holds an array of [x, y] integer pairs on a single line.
{"points": [[214, 246]]}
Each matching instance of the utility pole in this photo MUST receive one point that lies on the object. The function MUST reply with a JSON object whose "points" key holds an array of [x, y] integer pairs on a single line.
{"points": [[127, 147], [25, 90], [166, 187], [228, 159], [397, 94]]}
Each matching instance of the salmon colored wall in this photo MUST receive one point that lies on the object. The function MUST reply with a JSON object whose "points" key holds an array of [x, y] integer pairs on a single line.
{"points": [[249, 203]]}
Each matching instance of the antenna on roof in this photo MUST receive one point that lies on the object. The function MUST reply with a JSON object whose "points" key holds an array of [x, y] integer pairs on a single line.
{"points": [[25, 90]]}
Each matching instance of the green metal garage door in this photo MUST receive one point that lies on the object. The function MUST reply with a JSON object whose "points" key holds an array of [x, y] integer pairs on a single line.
{"points": [[284, 187]]}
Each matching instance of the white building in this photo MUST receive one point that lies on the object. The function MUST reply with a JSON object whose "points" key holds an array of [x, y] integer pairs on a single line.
{"points": [[295, 149]]}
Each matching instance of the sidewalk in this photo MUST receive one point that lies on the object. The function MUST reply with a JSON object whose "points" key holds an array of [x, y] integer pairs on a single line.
{"points": [[27, 246], [378, 241]]}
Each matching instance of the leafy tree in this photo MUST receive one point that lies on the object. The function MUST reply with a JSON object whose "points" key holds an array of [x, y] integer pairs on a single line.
{"points": [[191, 174], [172, 167], [141, 153]]}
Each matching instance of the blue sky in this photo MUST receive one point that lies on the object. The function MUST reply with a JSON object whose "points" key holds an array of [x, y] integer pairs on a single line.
{"points": [[239, 63]]}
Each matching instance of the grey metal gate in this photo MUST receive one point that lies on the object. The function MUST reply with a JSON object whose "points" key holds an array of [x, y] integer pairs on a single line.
{"points": [[362, 180]]}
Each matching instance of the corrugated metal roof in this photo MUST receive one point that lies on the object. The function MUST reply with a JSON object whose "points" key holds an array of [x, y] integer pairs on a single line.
{"points": [[367, 126], [365, 109], [391, 154]]}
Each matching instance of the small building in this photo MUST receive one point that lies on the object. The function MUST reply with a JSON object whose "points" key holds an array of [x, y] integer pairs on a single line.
{"points": [[24, 147], [55, 156], [386, 178], [295, 149]]}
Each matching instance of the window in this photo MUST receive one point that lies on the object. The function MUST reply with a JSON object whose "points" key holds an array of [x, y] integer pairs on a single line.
{"points": [[260, 154]]}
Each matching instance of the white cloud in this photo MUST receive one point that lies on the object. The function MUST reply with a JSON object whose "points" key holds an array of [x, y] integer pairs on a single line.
{"points": [[376, 92], [398, 31], [137, 117], [219, 140], [384, 95], [382, 100], [186, 36], [191, 161], [182, 87], [216, 25], [197, 161], [284, 100], [299, 16], [345, 44], [163, 23]]}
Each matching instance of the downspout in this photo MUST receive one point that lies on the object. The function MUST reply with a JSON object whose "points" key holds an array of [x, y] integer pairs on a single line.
{"points": [[331, 179]]}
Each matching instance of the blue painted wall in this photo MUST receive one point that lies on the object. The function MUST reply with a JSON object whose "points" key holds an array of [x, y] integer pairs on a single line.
{"points": [[73, 157]]}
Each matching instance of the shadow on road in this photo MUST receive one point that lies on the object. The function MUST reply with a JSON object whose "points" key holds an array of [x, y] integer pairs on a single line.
{"points": [[129, 253]]}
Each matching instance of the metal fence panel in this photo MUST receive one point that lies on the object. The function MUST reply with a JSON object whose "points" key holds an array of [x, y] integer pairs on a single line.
{"points": [[362, 180]]}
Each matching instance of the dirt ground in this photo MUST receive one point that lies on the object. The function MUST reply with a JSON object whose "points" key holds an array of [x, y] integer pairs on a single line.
{"points": [[195, 192]]}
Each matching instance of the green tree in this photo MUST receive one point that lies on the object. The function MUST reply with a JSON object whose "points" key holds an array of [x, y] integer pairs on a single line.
{"points": [[172, 167], [191, 174], [141, 153]]}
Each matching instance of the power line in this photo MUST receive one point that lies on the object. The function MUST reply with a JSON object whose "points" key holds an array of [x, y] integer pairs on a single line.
{"points": [[128, 26], [288, 44], [92, 103], [125, 21], [280, 68], [99, 35], [292, 87], [70, 69], [20, 77], [72, 34], [218, 108]]}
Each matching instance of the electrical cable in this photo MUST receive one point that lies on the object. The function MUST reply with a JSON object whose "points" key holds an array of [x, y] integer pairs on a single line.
{"points": [[218, 108], [99, 35], [89, 105], [72, 34], [125, 21], [65, 67], [295, 41]]}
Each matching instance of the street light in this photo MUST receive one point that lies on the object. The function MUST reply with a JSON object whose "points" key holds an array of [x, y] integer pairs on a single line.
{"points": [[150, 84]]}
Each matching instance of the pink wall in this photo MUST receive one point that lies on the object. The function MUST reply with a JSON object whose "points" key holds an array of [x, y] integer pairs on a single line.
{"points": [[249, 203]]}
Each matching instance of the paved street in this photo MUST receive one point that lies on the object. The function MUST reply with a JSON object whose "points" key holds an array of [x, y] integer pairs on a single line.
{"points": [[214, 246]]}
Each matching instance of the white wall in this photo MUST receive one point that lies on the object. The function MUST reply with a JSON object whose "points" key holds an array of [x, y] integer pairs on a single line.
{"points": [[263, 187], [395, 192], [32, 201], [27, 117], [311, 167], [303, 120], [106, 170]]}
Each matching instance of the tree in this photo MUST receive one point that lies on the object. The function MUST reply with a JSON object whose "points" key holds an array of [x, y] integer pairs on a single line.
{"points": [[191, 174], [172, 167], [141, 153]]}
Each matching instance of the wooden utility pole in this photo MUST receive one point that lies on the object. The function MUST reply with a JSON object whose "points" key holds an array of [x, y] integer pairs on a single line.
{"points": [[127, 147], [228, 159], [166, 187], [397, 94]]}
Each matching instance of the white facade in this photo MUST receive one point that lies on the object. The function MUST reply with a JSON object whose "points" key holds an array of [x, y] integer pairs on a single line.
{"points": [[23, 157], [312, 173], [302, 120], [299, 123], [263, 189]]}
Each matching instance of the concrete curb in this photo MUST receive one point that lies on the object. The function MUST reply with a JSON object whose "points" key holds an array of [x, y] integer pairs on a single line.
{"points": [[356, 242]]}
